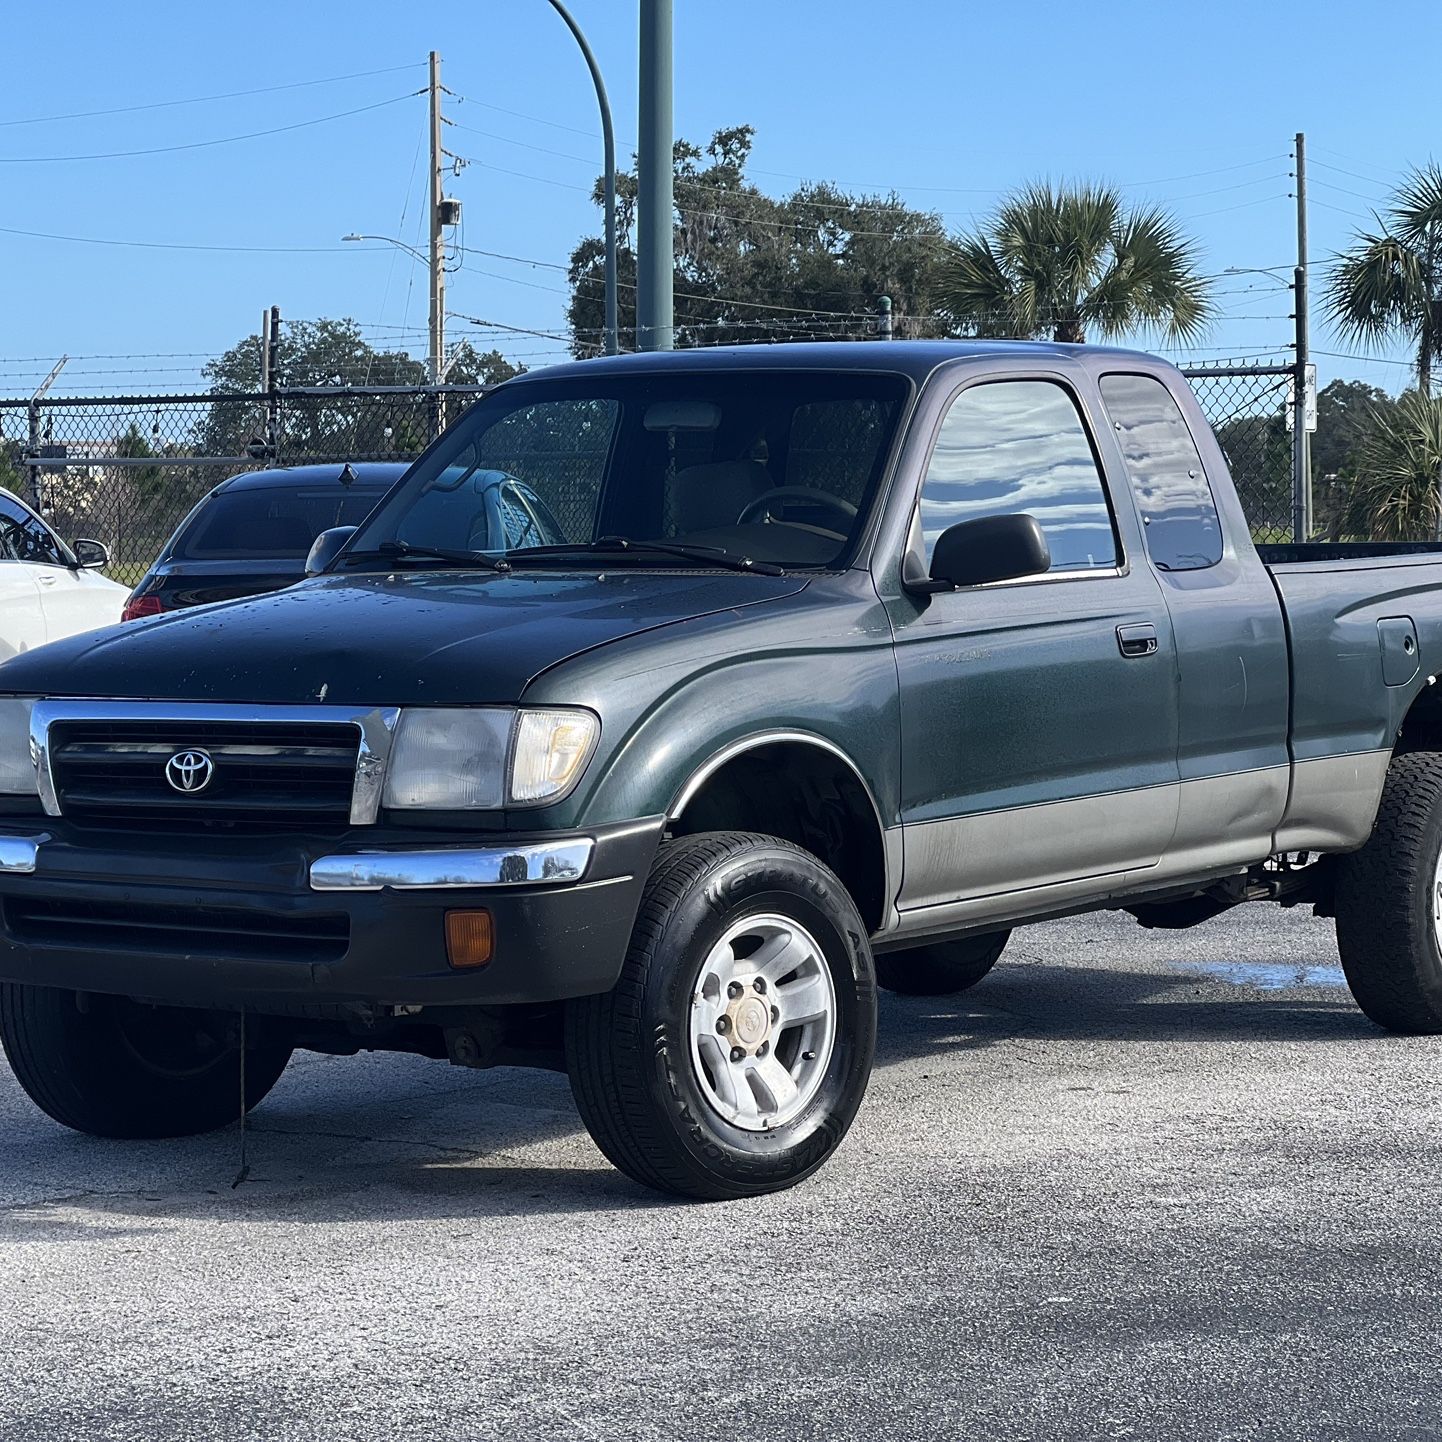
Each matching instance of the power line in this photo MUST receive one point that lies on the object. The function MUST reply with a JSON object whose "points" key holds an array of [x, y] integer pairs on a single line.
{"points": [[206, 99], [177, 245], [206, 144]]}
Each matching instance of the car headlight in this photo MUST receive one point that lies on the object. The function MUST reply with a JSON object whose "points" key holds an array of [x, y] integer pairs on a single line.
{"points": [[484, 758], [17, 767]]}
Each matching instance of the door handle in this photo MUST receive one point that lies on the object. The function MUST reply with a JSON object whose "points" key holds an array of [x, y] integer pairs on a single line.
{"points": [[1138, 640]]}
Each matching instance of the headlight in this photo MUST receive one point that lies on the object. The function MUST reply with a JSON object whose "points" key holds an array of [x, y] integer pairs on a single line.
{"points": [[483, 758], [17, 768]]}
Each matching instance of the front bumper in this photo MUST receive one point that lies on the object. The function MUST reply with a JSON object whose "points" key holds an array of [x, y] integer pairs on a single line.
{"points": [[296, 924]]}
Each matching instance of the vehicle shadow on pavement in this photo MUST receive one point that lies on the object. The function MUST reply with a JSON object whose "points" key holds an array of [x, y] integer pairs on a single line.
{"points": [[397, 1137], [1043, 1001]]}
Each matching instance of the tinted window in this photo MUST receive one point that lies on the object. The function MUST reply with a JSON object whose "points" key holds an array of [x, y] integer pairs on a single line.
{"points": [[24, 537], [777, 466], [1175, 501], [1020, 446], [269, 524]]}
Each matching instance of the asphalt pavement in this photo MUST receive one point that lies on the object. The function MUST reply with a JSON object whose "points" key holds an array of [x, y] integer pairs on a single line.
{"points": [[1136, 1184]]}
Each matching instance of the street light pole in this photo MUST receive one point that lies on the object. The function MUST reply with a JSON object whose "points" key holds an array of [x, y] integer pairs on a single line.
{"points": [[438, 241], [655, 243], [608, 139]]}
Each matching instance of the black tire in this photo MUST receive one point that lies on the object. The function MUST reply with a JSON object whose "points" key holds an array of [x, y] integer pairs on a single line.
{"points": [[116, 1068], [1384, 902], [943, 968], [628, 1051]]}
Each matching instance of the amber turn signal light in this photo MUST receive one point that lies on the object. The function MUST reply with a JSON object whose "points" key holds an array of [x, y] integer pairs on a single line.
{"points": [[470, 938]]}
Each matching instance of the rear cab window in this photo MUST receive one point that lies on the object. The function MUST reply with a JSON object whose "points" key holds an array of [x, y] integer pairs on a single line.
{"points": [[1174, 499]]}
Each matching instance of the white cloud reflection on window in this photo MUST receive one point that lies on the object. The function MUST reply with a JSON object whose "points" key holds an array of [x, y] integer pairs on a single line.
{"points": [[1019, 446]]}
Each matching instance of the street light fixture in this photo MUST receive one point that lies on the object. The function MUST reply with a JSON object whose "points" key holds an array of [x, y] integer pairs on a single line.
{"points": [[1256, 270], [608, 139], [389, 240]]}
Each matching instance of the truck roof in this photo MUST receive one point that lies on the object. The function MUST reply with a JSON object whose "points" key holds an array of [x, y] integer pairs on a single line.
{"points": [[915, 358]]}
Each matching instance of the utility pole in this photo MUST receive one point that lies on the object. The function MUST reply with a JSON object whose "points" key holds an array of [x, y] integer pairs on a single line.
{"points": [[437, 363], [655, 243], [1301, 441], [884, 329]]}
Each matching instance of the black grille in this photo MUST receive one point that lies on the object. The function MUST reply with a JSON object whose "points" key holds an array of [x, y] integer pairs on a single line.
{"points": [[222, 933], [268, 776]]}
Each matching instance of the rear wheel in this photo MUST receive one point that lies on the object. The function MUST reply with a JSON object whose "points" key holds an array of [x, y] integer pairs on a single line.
{"points": [[1389, 902], [942, 968], [118, 1068], [734, 1051]]}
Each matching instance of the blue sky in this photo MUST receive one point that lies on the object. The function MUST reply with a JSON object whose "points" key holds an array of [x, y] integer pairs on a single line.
{"points": [[948, 103]]}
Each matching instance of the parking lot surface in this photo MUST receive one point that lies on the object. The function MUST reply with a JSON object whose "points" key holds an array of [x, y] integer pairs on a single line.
{"points": [[1137, 1184]]}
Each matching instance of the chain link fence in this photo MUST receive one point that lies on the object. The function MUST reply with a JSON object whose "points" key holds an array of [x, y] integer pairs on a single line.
{"points": [[1249, 408], [126, 469]]}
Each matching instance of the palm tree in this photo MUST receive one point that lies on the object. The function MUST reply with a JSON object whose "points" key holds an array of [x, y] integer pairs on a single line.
{"points": [[1390, 283], [1068, 260], [1395, 495]]}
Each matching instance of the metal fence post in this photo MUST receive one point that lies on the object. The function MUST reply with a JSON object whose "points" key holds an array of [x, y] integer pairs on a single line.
{"points": [[32, 458]]}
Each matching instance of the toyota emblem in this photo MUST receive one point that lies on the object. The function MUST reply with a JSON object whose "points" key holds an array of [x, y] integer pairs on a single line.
{"points": [[189, 771]]}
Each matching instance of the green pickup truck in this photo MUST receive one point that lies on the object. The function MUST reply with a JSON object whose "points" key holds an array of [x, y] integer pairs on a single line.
{"points": [[850, 659]]}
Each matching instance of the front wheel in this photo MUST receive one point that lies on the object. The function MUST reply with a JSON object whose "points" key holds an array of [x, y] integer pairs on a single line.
{"points": [[734, 1051], [1389, 902], [118, 1068]]}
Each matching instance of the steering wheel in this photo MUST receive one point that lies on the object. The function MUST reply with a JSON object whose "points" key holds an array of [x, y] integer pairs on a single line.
{"points": [[765, 506]]}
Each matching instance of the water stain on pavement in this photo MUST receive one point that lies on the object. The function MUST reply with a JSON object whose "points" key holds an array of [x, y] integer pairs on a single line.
{"points": [[1265, 975]]}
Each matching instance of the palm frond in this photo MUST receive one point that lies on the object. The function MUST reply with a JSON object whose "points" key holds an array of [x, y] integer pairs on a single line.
{"points": [[1058, 258], [1417, 206], [1395, 495], [1375, 289]]}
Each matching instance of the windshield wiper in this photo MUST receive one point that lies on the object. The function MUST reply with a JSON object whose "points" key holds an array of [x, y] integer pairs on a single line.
{"points": [[622, 545], [404, 551]]}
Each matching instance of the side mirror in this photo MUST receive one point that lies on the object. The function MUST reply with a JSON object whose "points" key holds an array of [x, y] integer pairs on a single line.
{"points": [[990, 548], [91, 555], [326, 547]]}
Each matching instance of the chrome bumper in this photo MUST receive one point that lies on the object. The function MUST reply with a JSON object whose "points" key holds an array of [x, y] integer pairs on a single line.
{"points": [[535, 864], [18, 853]]}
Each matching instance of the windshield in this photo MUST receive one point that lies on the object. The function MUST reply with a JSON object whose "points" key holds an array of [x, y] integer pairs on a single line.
{"points": [[776, 466], [269, 523]]}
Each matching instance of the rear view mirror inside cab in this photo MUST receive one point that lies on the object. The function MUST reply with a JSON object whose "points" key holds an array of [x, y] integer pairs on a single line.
{"points": [[683, 416]]}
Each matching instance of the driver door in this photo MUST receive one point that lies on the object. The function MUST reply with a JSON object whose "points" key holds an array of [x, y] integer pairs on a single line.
{"points": [[1039, 737]]}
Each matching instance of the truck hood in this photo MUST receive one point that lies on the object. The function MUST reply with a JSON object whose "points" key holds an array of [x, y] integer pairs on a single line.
{"points": [[436, 638]]}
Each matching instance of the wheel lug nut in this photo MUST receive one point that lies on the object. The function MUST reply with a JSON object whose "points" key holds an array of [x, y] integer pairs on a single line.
{"points": [[759, 983], [723, 1024], [738, 1053], [763, 1048], [775, 1014], [734, 990]]}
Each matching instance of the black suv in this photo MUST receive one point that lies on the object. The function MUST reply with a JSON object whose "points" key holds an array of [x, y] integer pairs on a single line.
{"points": [[253, 532]]}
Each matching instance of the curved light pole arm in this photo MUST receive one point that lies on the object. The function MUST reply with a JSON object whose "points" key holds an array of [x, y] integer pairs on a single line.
{"points": [[609, 139]]}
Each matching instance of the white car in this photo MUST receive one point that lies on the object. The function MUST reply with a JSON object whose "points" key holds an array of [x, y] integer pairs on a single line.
{"points": [[48, 590]]}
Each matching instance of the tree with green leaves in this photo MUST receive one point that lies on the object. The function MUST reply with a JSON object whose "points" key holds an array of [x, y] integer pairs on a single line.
{"points": [[332, 354], [1349, 415], [1395, 495], [1388, 286], [753, 267], [1068, 261]]}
